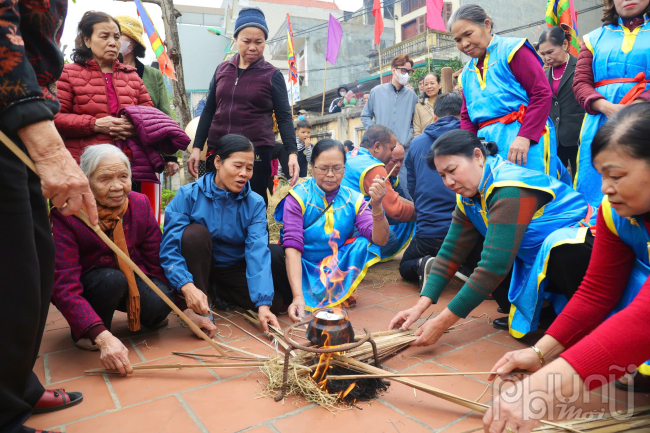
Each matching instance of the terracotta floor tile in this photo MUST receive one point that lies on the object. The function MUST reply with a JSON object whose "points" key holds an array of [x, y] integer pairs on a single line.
{"points": [[162, 343], [147, 385], [479, 356], [473, 421], [485, 309], [161, 416], [225, 328], [58, 339], [397, 289], [260, 429], [635, 398], [55, 320], [39, 369], [432, 410], [233, 405], [375, 417], [504, 338], [72, 363], [96, 400], [403, 303], [367, 298], [415, 355], [467, 333], [374, 318]]}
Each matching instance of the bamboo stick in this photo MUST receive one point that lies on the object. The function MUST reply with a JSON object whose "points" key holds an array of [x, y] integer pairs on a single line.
{"points": [[83, 217], [242, 329], [211, 355], [469, 404], [396, 375], [178, 367]]}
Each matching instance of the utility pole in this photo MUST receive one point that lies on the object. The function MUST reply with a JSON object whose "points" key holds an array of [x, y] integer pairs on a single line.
{"points": [[172, 43]]}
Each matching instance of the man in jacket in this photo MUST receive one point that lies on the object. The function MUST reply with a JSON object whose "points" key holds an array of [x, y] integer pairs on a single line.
{"points": [[434, 202], [337, 103], [29, 37], [393, 105]]}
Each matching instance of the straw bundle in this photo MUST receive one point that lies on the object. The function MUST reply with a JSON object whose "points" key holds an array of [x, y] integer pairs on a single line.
{"points": [[274, 200], [638, 422]]}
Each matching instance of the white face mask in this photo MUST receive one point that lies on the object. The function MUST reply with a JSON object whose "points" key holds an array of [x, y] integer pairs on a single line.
{"points": [[342, 94], [125, 48], [402, 78]]}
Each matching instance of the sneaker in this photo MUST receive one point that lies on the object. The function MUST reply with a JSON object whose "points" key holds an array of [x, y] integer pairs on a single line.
{"points": [[425, 269]]}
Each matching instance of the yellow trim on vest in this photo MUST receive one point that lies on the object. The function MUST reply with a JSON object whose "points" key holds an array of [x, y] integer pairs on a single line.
{"points": [[460, 79], [547, 151], [357, 205], [298, 199], [579, 239], [396, 182], [575, 180], [629, 38], [606, 208], [515, 49], [354, 285], [329, 221], [483, 79], [459, 203], [587, 42], [363, 176], [408, 241], [644, 369]]}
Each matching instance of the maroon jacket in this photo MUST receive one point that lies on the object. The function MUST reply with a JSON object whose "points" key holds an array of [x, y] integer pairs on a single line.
{"points": [[244, 103], [156, 133]]}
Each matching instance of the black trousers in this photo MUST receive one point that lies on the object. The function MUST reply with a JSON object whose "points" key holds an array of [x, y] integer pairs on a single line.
{"points": [[417, 249], [27, 269], [227, 283], [567, 266], [569, 157], [107, 290]]}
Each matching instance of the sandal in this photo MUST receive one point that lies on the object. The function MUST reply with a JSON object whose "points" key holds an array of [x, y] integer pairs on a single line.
{"points": [[56, 399], [640, 383]]}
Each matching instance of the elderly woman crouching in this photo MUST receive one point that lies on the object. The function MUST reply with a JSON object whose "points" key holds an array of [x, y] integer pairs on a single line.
{"points": [[89, 282]]}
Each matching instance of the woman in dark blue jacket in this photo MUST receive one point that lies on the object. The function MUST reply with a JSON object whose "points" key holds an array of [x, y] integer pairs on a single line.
{"points": [[215, 237]]}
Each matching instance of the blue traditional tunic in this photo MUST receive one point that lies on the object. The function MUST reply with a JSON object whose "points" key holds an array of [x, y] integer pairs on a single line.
{"points": [[565, 211], [632, 231], [618, 53], [331, 233], [497, 93], [358, 163]]}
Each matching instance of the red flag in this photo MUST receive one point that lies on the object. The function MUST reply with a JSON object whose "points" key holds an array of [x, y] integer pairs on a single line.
{"points": [[434, 15], [379, 21]]}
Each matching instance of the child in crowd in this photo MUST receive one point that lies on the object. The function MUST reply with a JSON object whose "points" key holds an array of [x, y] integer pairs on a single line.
{"points": [[303, 140]]}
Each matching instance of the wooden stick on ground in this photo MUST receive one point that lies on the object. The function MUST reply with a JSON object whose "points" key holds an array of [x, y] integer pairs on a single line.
{"points": [[83, 217], [179, 367], [211, 355], [396, 375], [242, 329], [469, 404]]}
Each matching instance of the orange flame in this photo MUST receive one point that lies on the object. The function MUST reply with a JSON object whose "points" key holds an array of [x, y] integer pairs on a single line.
{"points": [[331, 276], [343, 394]]}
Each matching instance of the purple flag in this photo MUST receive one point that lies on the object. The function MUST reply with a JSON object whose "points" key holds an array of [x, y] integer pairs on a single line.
{"points": [[334, 33]]}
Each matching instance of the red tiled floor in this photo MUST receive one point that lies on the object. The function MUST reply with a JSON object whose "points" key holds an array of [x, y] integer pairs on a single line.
{"points": [[161, 416], [97, 399], [504, 338], [148, 385], [260, 429], [399, 289], [72, 363], [415, 355], [463, 334], [56, 340], [373, 318], [39, 369], [367, 298], [478, 356], [235, 404], [164, 342], [373, 418]]}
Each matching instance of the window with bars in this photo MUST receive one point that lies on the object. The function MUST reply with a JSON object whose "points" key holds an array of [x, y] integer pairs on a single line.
{"points": [[409, 6], [414, 27], [447, 10]]}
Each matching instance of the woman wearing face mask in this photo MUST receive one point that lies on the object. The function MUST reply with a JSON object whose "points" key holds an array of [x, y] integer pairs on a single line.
{"points": [[321, 215], [566, 113], [245, 94], [612, 71], [518, 212], [423, 115], [507, 98], [603, 329], [96, 86], [337, 104], [215, 238]]}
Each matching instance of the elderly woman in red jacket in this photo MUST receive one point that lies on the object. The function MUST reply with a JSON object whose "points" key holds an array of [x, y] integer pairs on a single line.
{"points": [[94, 88]]}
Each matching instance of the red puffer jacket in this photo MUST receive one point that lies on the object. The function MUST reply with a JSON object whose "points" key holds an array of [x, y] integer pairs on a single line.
{"points": [[81, 90]]}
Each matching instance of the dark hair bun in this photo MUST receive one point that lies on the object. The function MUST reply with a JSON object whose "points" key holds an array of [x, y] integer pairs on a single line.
{"points": [[491, 148]]}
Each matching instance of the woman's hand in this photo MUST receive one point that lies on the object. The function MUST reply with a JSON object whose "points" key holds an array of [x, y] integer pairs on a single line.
{"points": [[524, 359], [294, 169], [508, 412], [297, 309], [195, 298], [171, 168], [193, 162], [113, 354], [266, 317], [518, 151], [607, 108], [430, 332], [103, 125], [202, 322], [122, 129], [404, 319], [377, 191]]}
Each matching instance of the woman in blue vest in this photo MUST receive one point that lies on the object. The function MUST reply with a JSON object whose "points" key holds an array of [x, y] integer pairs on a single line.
{"points": [[507, 98], [319, 254], [613, 70], [515, 210], [604, 328]]}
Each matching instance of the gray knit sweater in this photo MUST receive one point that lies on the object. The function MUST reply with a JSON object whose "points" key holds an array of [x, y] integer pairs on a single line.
{"points": [[393, 109]]}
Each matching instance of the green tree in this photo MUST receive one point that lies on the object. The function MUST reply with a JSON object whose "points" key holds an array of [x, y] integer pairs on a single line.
{"points": [[436, 65]]}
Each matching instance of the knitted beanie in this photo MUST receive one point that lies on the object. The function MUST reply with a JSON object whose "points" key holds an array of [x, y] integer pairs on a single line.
{"points": [[251, 17]]}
